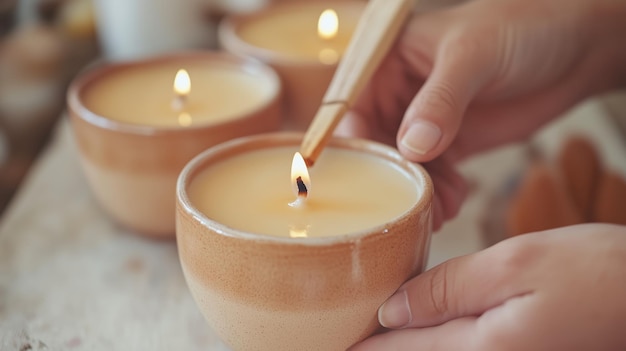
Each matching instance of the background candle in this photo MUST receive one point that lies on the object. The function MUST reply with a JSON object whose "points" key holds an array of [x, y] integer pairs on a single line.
{"points": [[143, 94], [286, 37], [369, 210], [132, 142]]}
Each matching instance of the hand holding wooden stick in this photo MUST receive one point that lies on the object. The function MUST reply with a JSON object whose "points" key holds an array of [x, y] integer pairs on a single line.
{"points": [[375, 34]]}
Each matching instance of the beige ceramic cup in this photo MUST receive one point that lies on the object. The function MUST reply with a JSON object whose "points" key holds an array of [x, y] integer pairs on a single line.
{"points": [[132, 169], [267, 293]]}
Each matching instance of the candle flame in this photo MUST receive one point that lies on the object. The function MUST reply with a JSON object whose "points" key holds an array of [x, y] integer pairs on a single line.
{"points": [[328, 24], [300, 180], [182, 83]]}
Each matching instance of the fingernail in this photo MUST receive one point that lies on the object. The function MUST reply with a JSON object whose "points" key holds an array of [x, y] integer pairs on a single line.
{"points": [[395, 312], [421, 137]]}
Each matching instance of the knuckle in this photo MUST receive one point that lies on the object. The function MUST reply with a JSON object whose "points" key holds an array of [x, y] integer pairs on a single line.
{"points": [[439, 293], [440, 97], [466, 41], [514, 256]]}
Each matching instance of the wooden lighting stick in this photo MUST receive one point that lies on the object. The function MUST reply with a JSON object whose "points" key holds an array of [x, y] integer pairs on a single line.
{"points": [[375, 34]]}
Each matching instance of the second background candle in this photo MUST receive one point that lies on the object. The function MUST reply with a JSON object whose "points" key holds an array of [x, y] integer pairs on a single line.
{"points": [[303, 49]]}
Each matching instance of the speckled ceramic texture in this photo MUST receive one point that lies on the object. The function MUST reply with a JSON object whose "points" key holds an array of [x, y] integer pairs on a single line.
{"points": [[305, 81], [132, 169], [276, 293]]}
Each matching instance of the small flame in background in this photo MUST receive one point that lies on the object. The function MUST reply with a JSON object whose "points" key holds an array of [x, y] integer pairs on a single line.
{"points": [[182, 83], [327, 28], [328, 24]]}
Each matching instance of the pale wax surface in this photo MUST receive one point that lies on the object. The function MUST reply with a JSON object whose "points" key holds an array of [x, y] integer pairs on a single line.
{"points": [[350, 192], [143, 94], [292, 32]]}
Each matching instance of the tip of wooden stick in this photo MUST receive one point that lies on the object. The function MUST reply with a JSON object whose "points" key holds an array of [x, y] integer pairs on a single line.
{"points": [[321, 130]]}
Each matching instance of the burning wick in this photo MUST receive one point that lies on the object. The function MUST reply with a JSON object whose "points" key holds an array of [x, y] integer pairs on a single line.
{"points": [[182, 88], [300, 180], [302, 190]]}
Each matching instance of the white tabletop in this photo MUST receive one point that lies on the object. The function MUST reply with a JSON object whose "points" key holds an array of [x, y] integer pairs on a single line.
{"points": [[70, 279]]}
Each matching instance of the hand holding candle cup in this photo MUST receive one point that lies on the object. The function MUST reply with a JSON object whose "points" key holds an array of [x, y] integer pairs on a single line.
{"points": [[135, 130]]}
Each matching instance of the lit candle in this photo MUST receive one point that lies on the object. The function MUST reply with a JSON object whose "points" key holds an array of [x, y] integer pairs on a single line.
{"points": [[269, 276], [302, 32], [353, 191], [142, 94], [135, 131], [302, 41]]}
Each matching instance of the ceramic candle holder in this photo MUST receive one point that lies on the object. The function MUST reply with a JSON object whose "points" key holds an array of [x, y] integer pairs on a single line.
{"points": [[132, 168], [264, 293], [290, 44]]}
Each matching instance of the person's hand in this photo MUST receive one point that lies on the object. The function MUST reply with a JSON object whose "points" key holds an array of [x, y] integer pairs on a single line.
{"points": [[489, 72], [563, 289]]}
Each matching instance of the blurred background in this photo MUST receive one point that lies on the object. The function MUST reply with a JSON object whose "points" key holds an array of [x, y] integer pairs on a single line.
{"points": [[43, 44]]}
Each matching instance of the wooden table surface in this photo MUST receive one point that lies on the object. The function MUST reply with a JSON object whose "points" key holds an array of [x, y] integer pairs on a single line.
{"points": [[70, 279]]}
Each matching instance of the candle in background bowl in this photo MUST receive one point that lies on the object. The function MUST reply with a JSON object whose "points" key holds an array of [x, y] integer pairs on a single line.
{"points": [[271, 273], [135, 132], [303, 42]]}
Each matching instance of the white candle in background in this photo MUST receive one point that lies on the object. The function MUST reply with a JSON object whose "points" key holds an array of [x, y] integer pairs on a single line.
{"points": [[132, 29]]}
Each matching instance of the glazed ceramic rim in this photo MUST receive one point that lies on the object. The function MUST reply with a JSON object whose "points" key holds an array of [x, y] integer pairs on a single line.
{"points": [[249, 66], [229, 39], [415, 171]]}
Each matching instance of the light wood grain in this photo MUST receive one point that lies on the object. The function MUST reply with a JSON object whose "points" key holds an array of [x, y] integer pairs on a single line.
{"points": [[374, 36]]}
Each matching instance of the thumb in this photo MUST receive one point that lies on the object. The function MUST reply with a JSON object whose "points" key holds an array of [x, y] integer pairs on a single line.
{"points": [[461, 287], [434, 117]]}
